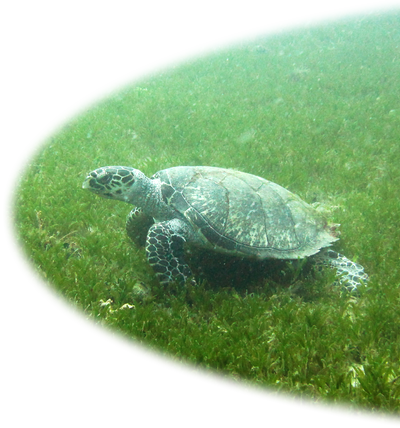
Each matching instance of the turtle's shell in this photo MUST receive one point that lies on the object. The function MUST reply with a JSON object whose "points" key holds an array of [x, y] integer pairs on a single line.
{"points": [[243, 214]]}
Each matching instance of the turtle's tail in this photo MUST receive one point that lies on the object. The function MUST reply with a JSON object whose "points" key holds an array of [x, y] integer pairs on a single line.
{"points": [[333, 229]]}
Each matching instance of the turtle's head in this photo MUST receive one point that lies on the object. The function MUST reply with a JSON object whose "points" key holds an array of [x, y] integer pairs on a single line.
{"points": [[118, 182]]}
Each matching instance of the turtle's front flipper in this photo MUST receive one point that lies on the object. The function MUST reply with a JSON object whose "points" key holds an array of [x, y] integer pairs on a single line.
{"points": [[351, 274], [165, 251], [137, 226]]}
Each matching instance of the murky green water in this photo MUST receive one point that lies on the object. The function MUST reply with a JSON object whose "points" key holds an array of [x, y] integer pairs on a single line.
{"points": [[316, 111]]}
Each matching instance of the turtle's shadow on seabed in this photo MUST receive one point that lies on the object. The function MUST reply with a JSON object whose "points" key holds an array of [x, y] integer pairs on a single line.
{"points": [[243, 274]]}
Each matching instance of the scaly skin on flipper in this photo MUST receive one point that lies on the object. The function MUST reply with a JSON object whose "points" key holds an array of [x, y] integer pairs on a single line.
{"points": [[165, 251], [221, 210], [137, 226], [350, 274]]}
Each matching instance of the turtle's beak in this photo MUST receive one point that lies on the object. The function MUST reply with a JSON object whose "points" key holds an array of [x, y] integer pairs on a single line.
{"points": [[85, 184]]}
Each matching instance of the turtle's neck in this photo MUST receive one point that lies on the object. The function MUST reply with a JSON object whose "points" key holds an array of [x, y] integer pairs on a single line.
{"points": [[153, 203]]}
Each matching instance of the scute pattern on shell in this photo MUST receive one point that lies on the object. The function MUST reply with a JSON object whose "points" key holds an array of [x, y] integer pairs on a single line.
{"points": [[245, 214]]}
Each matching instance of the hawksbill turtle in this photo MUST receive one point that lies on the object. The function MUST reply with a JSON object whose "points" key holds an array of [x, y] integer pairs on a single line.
{"points": [[221, 210]]}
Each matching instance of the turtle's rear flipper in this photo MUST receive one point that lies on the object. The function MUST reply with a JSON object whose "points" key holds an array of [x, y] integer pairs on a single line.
{"points": [[351, 274], [165, 251]]}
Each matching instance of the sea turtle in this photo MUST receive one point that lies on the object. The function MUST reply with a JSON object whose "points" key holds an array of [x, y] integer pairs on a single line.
{"points": [[222, 210]]}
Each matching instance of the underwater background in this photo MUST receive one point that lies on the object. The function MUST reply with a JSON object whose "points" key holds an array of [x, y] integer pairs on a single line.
{"points": [[316, 111]]}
